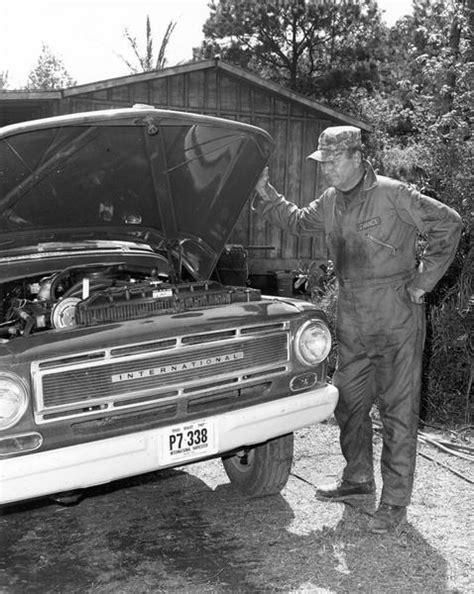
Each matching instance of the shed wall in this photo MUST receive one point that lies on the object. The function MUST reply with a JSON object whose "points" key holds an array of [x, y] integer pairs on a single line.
{"points": [[294, 126]]}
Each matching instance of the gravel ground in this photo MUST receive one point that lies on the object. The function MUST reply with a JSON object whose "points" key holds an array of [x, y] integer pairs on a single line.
{"points": [[187, 530]]}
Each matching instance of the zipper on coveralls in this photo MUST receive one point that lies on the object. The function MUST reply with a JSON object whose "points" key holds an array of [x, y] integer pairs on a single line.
{"points": [[382, 243]]}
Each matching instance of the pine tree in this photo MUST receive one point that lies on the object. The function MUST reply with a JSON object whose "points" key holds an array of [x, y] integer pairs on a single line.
{"points": [[49, 73], [312, 46]]}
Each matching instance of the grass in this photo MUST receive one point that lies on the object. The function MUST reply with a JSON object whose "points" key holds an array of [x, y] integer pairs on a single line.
{"points": [[189, 531]]}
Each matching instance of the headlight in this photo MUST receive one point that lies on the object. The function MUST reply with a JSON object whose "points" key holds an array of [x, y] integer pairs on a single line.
{"points": [[312, 342], [13, 399]]}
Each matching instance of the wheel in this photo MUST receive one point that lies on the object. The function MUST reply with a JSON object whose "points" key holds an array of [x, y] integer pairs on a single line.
{"points": [[261, 470]]}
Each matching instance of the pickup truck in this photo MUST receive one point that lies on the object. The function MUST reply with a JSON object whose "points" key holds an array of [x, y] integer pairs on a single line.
{"points": [[119, 354]]}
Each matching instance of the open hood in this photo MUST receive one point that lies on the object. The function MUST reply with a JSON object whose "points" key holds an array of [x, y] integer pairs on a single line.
{"points": [[175, 181]]}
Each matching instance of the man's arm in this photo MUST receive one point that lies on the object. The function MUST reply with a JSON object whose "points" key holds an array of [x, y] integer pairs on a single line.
{"points": [[441, 225], [274, 207]]}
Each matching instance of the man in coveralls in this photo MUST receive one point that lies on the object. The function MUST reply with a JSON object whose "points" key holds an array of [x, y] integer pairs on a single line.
{"points": [[370, 225]]}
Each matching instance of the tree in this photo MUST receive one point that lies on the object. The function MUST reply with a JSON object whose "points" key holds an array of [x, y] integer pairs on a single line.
{"points": [[421, 115], [3, 79], [428, 51], [311, 46], [49, 73], [146, 60]]}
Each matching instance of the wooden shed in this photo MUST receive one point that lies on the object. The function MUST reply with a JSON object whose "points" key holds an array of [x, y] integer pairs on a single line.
{"points": [[216, 88]]}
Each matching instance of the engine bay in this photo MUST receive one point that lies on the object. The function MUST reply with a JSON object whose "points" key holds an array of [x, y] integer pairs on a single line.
{"points": [[88, 295]]}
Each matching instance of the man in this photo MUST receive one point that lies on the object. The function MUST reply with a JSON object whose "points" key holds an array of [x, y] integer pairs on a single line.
{"points": [[370, 225]]}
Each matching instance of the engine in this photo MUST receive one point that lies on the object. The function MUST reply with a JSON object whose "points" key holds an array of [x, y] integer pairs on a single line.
{"points": [[92, 295], [34, 304]]}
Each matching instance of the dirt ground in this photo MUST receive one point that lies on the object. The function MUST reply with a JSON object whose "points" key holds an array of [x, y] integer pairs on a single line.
{"points": [[187, 530]]}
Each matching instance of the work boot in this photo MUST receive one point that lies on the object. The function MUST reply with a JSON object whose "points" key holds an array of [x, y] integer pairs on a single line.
{"points": [[343, 490], [387, 518]]}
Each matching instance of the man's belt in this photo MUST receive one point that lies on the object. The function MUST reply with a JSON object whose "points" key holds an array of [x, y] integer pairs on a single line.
{"points": [[360, 283]]}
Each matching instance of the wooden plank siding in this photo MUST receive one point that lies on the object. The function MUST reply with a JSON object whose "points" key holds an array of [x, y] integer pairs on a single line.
{"points": [[295, 129], [214, 88]]}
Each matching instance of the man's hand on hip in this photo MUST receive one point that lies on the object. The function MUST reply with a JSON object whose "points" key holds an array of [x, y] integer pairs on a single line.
{"points": [[416, 295]]}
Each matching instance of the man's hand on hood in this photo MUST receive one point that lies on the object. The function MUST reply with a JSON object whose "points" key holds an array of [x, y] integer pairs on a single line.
{"points": [[263, 186]]}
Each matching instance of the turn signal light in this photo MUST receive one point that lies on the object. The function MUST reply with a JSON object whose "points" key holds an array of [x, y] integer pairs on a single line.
{"points": [[20, 443]]}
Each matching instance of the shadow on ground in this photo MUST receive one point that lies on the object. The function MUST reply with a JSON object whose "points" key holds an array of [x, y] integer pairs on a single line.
{"points": [[170, 532]]}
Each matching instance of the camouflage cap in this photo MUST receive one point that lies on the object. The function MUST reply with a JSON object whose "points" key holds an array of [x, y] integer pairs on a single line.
{"points": [[334, 140]]}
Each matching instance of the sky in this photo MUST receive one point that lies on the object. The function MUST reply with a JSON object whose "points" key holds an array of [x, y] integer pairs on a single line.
{"points": [[88, 35]]}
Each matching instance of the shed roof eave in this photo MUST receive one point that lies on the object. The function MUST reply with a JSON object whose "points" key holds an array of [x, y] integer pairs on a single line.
{"points": [[279, 89], [30, 95], [141, 77], [235, 71]]}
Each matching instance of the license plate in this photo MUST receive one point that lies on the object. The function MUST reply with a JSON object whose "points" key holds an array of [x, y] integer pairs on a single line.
{"points": [[188, 441]]}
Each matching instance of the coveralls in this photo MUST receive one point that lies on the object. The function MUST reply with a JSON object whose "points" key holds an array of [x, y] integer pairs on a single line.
{"points": [[371, 239]]}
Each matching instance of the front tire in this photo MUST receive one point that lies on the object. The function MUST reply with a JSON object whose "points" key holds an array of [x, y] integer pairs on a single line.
{"points": [[261, 470]]}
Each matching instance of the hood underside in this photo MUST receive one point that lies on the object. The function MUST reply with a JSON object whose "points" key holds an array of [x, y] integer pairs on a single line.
{"points": [[175, 181]]}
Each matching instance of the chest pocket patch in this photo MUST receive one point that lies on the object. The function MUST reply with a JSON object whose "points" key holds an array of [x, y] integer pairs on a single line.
{"points": [[369, 224]]}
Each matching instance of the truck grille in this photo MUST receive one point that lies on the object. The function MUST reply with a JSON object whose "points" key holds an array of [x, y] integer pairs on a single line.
{"points": [[161, 372]]}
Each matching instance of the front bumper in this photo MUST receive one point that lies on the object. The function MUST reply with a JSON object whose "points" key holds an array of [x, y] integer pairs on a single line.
{"points": [[85, 465]]}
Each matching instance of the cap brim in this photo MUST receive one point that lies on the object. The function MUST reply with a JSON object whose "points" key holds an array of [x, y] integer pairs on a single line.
{"points": [[324, 155]]}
